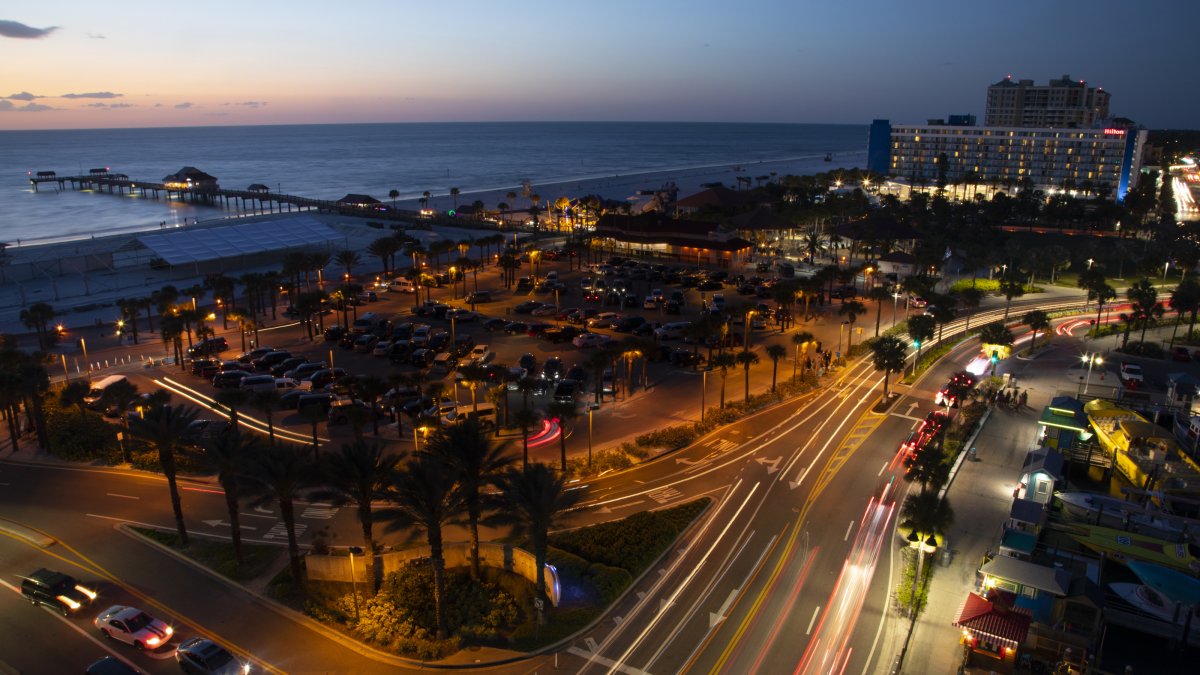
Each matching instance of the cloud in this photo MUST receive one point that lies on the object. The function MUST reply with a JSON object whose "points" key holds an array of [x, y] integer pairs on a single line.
{"points": [[24, 96], [248, 104], [109, 106], [13, 29], [183, 106], [9, 106], [97, 36], [93, 94], [157, 105]]}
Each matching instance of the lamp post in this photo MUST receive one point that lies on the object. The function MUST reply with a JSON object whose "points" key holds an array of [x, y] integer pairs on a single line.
{"points": [[354, 583], [703, 391], [453, 282], [895, 302], [83, 345], [1091, 360], [590, 411], [841, 328], [746, 330], [1166, 266]]}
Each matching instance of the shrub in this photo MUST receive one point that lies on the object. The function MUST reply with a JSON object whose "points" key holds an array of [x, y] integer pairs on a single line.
{"points": [[671, 438], [609, 582], [1149, 349], [630, 543], [78, 437]]}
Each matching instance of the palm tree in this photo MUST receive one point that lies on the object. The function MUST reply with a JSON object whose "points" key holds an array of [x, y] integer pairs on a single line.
{"points": [[723, 361], [120, 397], [425, 199], [38, 317], [970, 298], [775, 352], [564, 412], [526, 419], [1143, 297], [393, 194], [347, 259], [425, 498], [166, 429], [1186, 298], [928, 468], [233, 400], [359, 474], [801, 340], [920, 329], [465, 448], [314, 415], [926, 515], [279, 474], [265, 402], [535, 501], [878, 294], [851, 310], [1037, 320], [1011, 286], [887, 354], [225, 454], [747, 358], [74, 394], [384, 248], [454, 196]]}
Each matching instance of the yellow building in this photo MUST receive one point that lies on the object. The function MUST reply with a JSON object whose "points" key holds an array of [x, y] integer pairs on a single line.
{"points": [[1145, 453]]}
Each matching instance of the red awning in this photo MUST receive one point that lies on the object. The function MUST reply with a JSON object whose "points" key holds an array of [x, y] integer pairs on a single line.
{"points": [[999, 619]]}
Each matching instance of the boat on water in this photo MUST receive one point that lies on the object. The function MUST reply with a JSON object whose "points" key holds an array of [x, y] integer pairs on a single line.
{"points": [[1091, 506], [1173, 585], [1123, 547], [1151, 602], [829, 157]]}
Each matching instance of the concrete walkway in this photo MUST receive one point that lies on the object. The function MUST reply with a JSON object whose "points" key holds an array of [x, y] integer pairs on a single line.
{"points": [[981, 495]]}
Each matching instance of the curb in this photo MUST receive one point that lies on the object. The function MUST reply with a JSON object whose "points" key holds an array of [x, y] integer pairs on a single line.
{"points": [[27, 534], [962, 455]]}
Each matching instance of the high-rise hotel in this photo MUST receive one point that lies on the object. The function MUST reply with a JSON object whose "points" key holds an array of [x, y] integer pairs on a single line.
{"points": [[1057, 136]]}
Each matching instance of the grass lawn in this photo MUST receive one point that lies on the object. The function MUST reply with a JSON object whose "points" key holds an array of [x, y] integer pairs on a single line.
{"points": [[218, 555]]}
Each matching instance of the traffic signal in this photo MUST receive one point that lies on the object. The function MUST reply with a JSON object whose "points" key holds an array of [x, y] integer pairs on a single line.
{"points": [[995, 355], [916, 344]]}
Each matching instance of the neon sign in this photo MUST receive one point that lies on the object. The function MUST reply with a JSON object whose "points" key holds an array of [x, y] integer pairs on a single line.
{"points": [[1114, 132]]}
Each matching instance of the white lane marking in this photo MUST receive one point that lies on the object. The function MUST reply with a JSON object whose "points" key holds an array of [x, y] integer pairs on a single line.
{"points": [[796, 483], [882, 469], [257, 515], [848, 529], [279, 531], [81, 631], [319, 512], [688, 579], [606, 662], [718, 616], [812, 620], [113, 494]]}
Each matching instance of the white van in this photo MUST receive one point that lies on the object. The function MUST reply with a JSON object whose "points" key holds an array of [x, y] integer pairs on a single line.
{"points": [[402, 285], [99, 387], [484, 412], [672, 331]]}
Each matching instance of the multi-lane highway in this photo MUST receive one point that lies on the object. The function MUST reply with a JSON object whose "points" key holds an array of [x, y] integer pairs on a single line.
{"points": [[790, 568]]}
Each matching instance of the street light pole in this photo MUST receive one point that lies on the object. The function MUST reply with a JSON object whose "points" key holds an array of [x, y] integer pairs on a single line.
{"points": [[590, 411], [83, 345], [1090, 360], [703, 392]]}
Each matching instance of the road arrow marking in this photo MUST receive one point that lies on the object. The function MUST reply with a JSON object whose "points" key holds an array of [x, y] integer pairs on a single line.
{"points": [[664, 605], [719, 615], [687, 462], [771, 464], [912, 405], [641, 595], [796, 483], [262, 509], [591, 644], [218, 522]]}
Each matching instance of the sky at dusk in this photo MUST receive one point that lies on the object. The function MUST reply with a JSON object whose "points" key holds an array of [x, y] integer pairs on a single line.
{"points": [[137, 63]]}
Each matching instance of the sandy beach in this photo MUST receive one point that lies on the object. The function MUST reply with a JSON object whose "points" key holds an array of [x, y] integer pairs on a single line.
{"points": [[84, 299]]}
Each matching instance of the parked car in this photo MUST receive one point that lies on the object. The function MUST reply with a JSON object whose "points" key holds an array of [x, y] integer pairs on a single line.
{"points": [[134, 627], [516, 328], [229, 379], [323, 378], [1181, 354], [479, 297], [495, 325], [264, 363], [422, 358], [604, 320], [480, 354], [206, 368], [545, 310], [305, 369], [256, 353], [552, 369], [1131, 373], [588, 340], [560, 335], [284, 366], [629, 323], [365, 343], [527, 307], [565, 391], [319, 400]]}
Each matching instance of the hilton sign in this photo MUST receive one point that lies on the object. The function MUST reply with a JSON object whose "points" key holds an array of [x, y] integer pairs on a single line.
{"points": [[1114, 132]]}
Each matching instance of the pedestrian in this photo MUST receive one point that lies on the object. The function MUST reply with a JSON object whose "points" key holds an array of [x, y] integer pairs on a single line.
{"points": [[1024, 398]]}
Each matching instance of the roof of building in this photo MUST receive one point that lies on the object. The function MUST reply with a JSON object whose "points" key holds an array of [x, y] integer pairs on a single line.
{"points": [[1046, 460], [762, 218], [719, 197], [658, 228], [876, 227], [189, 245], [189, 173], [899, 257], [996, 618], [1049, 579], [258, 187], [358, 199], [1027, 511]]}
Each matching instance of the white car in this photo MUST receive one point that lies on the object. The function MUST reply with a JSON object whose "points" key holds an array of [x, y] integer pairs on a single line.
{"points": [[480, 354], [649, 303], [134, 627], [1132, 372], [604, 320], [587, 340]]}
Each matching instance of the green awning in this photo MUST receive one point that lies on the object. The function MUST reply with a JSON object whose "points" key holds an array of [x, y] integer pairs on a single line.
{"points": [[1050, 418]]}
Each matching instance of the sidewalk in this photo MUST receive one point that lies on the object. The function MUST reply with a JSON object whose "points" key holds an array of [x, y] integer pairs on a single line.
{"points": [[981, 495]]}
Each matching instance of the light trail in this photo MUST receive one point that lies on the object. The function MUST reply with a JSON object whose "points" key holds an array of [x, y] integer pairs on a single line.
{"points": [[829, 649]]}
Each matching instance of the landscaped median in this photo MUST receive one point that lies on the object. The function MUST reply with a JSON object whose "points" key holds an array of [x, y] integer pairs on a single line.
{"points": [[593, 566]]}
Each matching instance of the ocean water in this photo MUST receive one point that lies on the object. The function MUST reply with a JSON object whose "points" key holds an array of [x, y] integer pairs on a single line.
{"points": [[328, 161]]}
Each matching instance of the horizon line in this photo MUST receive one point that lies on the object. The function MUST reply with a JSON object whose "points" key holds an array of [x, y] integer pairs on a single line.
{"points": [[458, 122]]}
